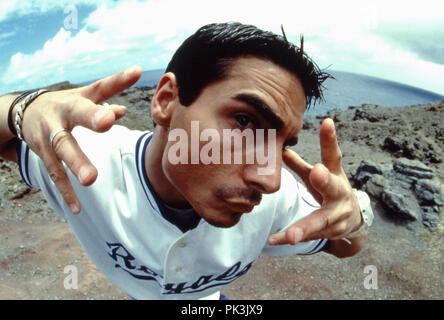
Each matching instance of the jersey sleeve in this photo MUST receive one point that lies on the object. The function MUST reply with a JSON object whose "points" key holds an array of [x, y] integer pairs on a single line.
{"points": [[294, 203]]}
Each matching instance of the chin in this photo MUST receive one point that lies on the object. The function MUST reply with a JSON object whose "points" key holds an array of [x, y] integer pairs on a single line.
{"points": [[224, 220]]}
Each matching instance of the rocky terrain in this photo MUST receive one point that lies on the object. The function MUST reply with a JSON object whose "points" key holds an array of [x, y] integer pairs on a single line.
{"points": [[395, 154]]}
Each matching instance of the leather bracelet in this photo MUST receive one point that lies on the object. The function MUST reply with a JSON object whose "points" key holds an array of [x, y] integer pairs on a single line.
{"points": [[21, 109], [10, 121]]}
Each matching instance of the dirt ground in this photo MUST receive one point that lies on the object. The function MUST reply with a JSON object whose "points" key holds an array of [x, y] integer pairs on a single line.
{"points": [[407, 260]]}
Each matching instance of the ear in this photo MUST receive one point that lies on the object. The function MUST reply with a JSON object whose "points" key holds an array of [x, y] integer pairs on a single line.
{"points": [[165, 99]]}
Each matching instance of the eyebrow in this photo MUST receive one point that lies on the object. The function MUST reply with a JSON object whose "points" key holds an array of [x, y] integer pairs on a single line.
{"points": [[269, 115], [260, 106]]}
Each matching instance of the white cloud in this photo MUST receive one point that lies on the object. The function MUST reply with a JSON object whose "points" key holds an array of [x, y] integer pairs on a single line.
{"points": [[7, 35], [4, 38], [16, 8], [119, 34], [118, 39]]}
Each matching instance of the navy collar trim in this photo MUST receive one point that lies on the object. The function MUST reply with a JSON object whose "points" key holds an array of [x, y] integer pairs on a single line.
{"points": [[141, 145], [154, 200]]}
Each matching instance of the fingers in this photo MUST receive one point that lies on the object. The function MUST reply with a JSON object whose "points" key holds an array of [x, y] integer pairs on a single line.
{"points": [[58, 175], [323, 223], [66, 149], [329, 178], [288, 237], [67, 109], [119, 111], [297, 164], [87, 114], [336, 218], [328, 185], [326, 222], [320, 182], [107, 87], [330, 152], [303, 170]]}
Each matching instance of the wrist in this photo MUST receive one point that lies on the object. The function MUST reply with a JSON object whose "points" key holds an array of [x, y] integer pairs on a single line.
{"points": [[360, 224], [366, 215], [19, 113], [13, 110]]}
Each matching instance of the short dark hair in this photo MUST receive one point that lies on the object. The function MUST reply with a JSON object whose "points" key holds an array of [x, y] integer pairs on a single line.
{"points": [[205, 57]]}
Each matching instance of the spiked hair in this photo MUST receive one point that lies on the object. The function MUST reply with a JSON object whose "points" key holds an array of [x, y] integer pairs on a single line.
{"points": [[206, 57]]}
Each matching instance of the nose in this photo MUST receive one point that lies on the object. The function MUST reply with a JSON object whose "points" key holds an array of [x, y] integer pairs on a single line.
{"points": [[267, 180]]}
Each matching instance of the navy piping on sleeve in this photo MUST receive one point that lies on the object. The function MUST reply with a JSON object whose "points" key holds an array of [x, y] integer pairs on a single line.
{"points": [[319, 247], [313, 205], [22, 160], [310, 204]]}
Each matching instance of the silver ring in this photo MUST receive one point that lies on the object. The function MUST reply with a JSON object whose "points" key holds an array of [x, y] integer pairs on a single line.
{"points": [[106, 105], [54, 133]]}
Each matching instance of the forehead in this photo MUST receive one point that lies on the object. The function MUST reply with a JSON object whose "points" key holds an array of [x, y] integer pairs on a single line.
{"points": [[281, 90]]}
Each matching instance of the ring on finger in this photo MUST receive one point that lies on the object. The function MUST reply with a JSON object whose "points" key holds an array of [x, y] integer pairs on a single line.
{"points": [[54, 133], [106, 105]]}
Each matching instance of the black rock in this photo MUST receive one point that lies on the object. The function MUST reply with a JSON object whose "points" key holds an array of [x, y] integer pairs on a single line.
{"points": [[413, 168], [365, 172], [401, 148], [428, 192], [307, 124], [400, 204], [406, 189], [430, 220], [393, 145], [362, 114], [375, 185]]}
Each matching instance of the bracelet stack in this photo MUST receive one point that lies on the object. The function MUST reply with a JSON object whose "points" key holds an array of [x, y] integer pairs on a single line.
{"points": [[21, 109], [10, 121]]}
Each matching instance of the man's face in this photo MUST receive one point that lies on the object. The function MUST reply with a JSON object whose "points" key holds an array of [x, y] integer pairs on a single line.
{"points": [[256, 94]]}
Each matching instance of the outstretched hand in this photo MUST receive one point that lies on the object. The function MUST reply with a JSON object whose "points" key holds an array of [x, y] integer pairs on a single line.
{"points": [[67, 109], [339, 214]]}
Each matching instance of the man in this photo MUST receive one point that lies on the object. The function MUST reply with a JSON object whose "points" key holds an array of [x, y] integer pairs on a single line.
{"points": [[166, 229]]}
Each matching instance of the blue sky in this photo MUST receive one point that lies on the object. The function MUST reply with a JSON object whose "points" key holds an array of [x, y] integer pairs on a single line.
{"points": [[43, 42]]}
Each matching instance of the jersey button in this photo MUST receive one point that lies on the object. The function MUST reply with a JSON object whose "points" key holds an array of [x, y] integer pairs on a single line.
{"points": [[178, 269], [182, 245]]}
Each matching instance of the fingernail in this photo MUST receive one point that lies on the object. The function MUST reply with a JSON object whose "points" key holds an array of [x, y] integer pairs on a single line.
{"points": [[130, 70], [83, 174], [74, 208], [297, 234], [272, 241]]}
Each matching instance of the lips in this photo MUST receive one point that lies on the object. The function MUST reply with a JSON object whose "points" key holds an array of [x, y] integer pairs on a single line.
{"points": [[243, 207]]}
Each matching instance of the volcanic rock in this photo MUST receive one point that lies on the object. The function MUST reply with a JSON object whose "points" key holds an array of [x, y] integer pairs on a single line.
{"points": [[406, 189]]}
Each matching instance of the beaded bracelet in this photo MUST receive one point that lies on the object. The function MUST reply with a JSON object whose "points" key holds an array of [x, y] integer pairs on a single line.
{"points": [[10, 121], [21, 109]]}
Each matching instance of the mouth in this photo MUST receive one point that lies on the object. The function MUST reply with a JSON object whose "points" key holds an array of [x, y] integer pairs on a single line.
{"points": [[241, 206]]}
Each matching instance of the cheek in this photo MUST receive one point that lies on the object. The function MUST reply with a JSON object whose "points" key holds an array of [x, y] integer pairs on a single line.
{"points": [[198, 183], [195, 176], [193, 162], [187, 179]]}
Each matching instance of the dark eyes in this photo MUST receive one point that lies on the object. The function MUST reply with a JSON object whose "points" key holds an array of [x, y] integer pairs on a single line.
{"points": [[243, 120]]}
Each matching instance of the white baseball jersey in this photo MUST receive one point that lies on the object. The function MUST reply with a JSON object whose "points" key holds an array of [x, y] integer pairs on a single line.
{"points": [[123, 231]]}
